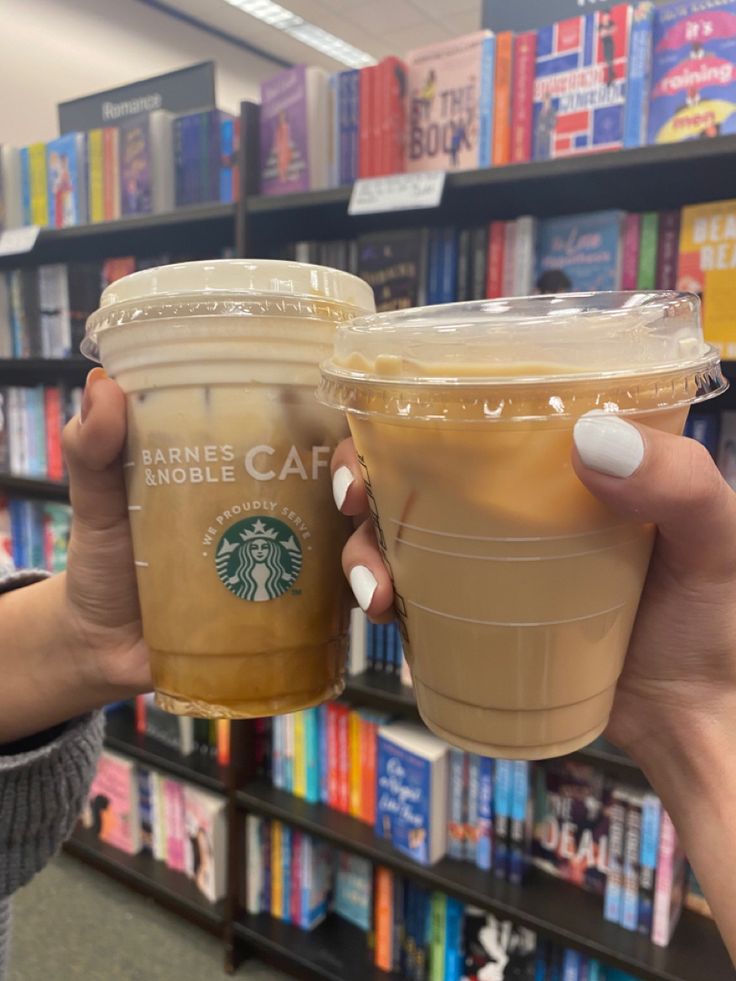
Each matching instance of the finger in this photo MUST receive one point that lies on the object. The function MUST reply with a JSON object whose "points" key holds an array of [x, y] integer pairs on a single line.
{"points": [[368, 576], [348, 487], [93, 443], [651, 476]]}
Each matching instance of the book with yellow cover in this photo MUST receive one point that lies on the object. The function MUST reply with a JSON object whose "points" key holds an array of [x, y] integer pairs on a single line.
{"points": [[38, 184], [277, 883], [707, 266], [96, 169], [355, 763], [300, 756]]}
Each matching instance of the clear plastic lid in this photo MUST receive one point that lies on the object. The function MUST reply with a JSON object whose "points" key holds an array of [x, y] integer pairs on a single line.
{"points": [[529, 357], [228, 287]]}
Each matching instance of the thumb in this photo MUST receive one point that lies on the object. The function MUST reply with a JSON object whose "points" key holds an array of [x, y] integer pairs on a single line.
{"points": [[655, 477], [93, 442]]}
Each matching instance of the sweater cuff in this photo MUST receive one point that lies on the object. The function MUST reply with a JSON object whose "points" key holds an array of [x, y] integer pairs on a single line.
{"points": [[42, 794], [25, 578]]}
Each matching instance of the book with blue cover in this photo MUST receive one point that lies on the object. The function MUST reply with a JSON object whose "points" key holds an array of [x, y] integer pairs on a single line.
{"points": [[457, 802], [636, 115], [502, 791], [579, 253], [471, 828], [411, 809], [693, 83], [353, 899], [484, 847], [66, 167], [348, 123]]}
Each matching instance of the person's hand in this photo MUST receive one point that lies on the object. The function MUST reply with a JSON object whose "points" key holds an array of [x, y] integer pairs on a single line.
{"points": [[680, 670], [101, 592]]}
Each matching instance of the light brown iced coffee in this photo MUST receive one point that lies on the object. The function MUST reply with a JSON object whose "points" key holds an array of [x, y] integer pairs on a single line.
{"points": [[516, 589], [236, 539]]}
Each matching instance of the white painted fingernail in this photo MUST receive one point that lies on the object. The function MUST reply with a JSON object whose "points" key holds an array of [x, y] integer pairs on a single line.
{"points": [[363, 584], [608, 444], [341, 481]]}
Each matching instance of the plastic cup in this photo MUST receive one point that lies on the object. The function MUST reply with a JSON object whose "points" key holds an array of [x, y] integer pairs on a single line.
{"points": [[235, 534], [516, 590]]}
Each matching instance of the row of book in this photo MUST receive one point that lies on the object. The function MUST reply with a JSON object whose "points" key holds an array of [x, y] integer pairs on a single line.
{"points": [[137, 809], [33, 535], [44, 309], [203, 738], [624, 77], [31, 423], [693, 250], [149, 163], [419, 934]]}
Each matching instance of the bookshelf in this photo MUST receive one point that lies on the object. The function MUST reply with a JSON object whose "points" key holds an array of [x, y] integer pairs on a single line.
{"points": [[650, 178]]}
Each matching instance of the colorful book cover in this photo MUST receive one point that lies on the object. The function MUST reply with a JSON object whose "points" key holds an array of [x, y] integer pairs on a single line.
{"points": [[706, 267], [343, 759], [300, 756], [522, 98], [67, 187], [136, 170], [571, 964], [484, 848], [636, 116], [285, 165], [450, 90], [354, 890], [651, 818], [206, 835], [648, 241], [580, 84], [227, 157], [502, 99], [572, 824], [276, 877], [670, 883], [284, 866], [53, 426], [693, 83], [112, 812], [355, 752], [175, 825], [38, 186], [411, 809], [579, 253], [438, 937], [470, 850], [95, 171], [311, 741], [613, 891], [277, 743], [383, 919], [453, 939], [495, 948], [368, 761], [458, 797]]}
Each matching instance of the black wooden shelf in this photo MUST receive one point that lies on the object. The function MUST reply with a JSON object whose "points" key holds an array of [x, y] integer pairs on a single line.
{"points": [[34, 487], [44, 371], [150, 877], [121, 737], [203, 227], [556, 909], [334, 951]]}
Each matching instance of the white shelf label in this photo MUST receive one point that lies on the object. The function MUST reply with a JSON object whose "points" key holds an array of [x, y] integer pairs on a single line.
{"points": [[14, 241], [398, 192]]}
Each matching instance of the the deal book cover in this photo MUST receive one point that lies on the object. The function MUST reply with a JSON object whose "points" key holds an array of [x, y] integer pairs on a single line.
{"points": [[693, 84], [579, 253]]}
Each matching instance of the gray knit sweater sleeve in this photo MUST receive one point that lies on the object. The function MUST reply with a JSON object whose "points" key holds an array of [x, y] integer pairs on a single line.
{"points": [[41, 796]]}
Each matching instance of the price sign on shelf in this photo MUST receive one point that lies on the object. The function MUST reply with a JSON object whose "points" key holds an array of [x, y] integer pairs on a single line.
{"points": [[399, 192], [14, 241]]}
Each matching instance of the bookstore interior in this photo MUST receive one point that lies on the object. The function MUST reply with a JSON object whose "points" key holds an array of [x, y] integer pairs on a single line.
{"points": [[566, 170]]}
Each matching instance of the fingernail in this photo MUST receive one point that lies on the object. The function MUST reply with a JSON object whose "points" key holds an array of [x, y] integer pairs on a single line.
{"points": [[94, 376], [608, 444], [363, 584], [341, 481]]}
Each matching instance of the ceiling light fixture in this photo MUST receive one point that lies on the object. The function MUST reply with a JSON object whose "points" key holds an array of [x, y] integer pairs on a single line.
{"points": [[290, 23]]}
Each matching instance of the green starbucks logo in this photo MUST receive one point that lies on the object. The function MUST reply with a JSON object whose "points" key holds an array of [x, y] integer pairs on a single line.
{"points": [[258, 559]]}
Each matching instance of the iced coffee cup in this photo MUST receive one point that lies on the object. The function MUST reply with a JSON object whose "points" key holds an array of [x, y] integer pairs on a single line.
{"points": [[516, 590], [236, 539]]}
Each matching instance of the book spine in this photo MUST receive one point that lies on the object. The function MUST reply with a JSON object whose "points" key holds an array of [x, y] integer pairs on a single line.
{"points": [[287, 832], [519, 829], [267, 854], [571, 966], [651, 814], [494, 273], [665, 882], [52, 411], [502, 107], [631, 242], [25, 185], [277, 881], [668, 250], [354, 801], [368, 741], [449, 266], [311, 733], [399, 912], [357, 662], [434, 285], [223, 742], [484, 848], [39, 190], [439, 939], [227, 159], [612, 897], [486, 102], [365, 156], [471, 824], [639, 75], [300, 757], [502, 800], [509, 255], [523, 265], [394, 115], [647, 275], [277, 772], [456, 825], [453, 939], [323, 758], [384, 957], [332, 770], [632, 844], [343, 760], [305, 901], [525, 56], [254, 877], [96, 165]]}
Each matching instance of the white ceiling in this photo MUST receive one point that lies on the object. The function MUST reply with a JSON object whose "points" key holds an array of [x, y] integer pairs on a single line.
{"points": [[380, 27]]}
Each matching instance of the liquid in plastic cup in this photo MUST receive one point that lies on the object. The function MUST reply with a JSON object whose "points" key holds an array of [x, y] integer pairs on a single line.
{"points": [[516, 590], [236, 538]]}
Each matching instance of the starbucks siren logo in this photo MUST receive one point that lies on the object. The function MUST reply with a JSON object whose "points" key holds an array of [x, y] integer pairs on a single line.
{"points": [[258, 559]]}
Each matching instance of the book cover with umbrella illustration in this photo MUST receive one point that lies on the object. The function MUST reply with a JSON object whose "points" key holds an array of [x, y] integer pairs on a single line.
{"points": [[693, 93]]}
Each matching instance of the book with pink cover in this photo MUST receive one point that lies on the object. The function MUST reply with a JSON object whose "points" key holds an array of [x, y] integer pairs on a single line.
{"points": [[175, 830], [205, 841], [450, 90], [112, 812]]}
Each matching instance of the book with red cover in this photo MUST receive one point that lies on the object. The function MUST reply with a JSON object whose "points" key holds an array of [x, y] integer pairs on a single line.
{"points": [[502, 99], [343, 759], [367, 147], [332, 777], [391, 118], [496, 248], [384, 919], [522, 97], [52, 412]]}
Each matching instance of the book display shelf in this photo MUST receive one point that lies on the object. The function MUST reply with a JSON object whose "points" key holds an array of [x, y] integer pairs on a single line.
{"points": [[647, 178]]}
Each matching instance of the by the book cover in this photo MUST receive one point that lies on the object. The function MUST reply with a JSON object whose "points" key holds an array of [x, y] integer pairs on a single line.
{"points": [[580, 84], [707, 266], [284, 147], [572, 824], [450, 88], [579, 253], [693, 93]]}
